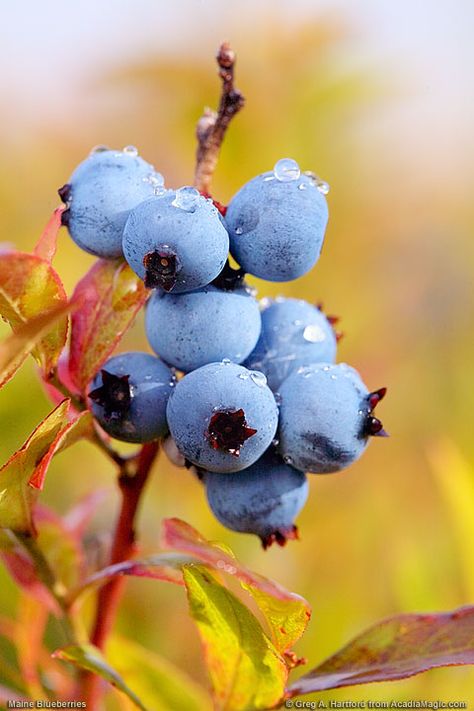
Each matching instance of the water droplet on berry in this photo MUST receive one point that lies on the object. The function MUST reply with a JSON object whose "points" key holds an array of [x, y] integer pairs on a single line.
{"points": [[265, 303], [238, 230], [322, 186], [130, 151], [277, 397], [333, 377], [243, 376], [99, 149], [326, 368], [226, 361], [286, 170], [268, 178], [275, 442], [287, 459], [302, 186], [258, 378], [187, 199], [313, 334]]}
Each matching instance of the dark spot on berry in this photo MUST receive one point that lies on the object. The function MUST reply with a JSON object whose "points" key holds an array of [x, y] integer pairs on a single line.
{"points": [[161, 269], [65, 217], [280, 537], [113, 395], [228, 431], [229, 279], [325, 449], [65, 192]]}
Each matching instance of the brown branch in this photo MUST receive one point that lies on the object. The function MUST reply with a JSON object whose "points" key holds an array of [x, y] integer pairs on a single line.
{"points": [[132, 480], [212, 126]]}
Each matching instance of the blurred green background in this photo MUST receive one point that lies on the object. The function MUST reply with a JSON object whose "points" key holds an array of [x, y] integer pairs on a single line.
{"points": [[376, 97]]}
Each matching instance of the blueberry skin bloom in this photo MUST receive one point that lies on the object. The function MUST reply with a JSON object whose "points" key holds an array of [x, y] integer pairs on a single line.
{"points": [[326, 417], [294, 333], [174, 242], [128, 397], [276, 228], [222, 416], [203, 326], [263, 499], [99, 196]]}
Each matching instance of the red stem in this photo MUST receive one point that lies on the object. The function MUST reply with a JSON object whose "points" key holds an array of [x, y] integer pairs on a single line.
{"points": [[132, 481]]}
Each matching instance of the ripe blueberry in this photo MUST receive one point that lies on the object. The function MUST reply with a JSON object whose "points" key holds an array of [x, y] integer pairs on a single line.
{"points": [[222, 416], [276, 225], [129, 396], [176, 241], [99, 196], [294, 333], [263, 499], [326, 417], [203, 326]]}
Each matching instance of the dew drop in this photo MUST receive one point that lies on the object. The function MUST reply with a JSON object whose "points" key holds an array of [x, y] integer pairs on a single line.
{"points": [[226, 361], [313, 334], [130, 151], [160, 191], [243, 376], [322, 186], [333, 377], [238, 230], [99, 149], [277, 397], [287, 459], [258, 378], [187, 199], [286, 170], [275, 442], [265, 303], [326, 368], [302, 186], [268, 178]]}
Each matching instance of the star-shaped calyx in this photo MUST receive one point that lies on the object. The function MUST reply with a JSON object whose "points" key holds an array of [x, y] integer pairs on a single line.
{"points": [[228, 430], [161, 269], [114, 395], [373, 426]]}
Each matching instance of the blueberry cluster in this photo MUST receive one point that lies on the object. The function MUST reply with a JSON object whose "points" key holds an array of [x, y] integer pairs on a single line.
{"points": [[248, 393]]}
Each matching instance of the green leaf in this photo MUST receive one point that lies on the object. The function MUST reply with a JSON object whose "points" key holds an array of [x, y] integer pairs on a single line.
{"points": [[17, 497], [396, 648], [286, 613], [15, 348], [109, 297], [160, 685], [246, 670], [30, 288], [89, 658]]}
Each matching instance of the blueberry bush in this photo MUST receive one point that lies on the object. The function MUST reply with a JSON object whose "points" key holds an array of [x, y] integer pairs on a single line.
{"points": [[245, 394]]}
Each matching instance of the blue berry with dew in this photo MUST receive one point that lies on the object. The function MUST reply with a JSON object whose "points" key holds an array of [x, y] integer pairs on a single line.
{"points": [[277, 221], [100, 194], [128, 397], [326, 417], [221, 320], [263, 499], [222, 416], [294, 333], [176, 241]]}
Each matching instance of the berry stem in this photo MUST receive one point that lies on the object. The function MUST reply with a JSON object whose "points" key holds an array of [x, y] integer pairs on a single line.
{"points": [[133, 476], [212, 126]]}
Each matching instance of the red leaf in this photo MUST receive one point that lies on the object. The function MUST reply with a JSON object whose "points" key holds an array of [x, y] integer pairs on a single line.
{"points": [[396, 648], [109, 298], [47, 243], [30, 288]]}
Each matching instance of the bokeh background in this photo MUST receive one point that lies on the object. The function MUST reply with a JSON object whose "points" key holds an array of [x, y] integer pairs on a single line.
{"points": [[374, 96]]}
